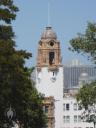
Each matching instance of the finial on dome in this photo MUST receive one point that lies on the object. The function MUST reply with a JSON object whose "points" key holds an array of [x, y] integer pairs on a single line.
{"points": [[48, 27], [48, 13]]}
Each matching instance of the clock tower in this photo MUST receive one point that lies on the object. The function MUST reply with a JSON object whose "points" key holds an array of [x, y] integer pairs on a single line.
{"points": [[49, 71]]}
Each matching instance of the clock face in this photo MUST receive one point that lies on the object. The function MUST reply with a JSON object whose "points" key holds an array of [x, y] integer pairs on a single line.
{"points": [[53, 79], [53, 76], [51, 43]]}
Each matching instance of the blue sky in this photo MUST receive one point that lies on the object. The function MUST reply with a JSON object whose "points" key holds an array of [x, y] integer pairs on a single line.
{"points": [[67, 17]]}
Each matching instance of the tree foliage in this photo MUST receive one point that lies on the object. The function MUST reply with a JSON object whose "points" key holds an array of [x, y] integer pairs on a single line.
{"points": [[7, 11], [16, 88], [86, 43], [87, 95], [87, 100]]}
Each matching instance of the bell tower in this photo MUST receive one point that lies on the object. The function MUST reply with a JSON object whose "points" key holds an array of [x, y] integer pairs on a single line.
{"points": [[49, 52], [49, 71]]}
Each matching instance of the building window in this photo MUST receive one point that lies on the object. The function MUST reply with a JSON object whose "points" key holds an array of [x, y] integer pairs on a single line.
{"points": [[67, 106], [75, 106], [51, 57], [51, 43], [75, 118], [45, 109], [66, 119], [79, 118], [79, 107]]}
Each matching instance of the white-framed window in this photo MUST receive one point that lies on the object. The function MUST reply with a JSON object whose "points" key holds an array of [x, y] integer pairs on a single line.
{"points": [[66, 106], [75, 119], [66, 119], [75, 106], [79, 118], [45, 109]]}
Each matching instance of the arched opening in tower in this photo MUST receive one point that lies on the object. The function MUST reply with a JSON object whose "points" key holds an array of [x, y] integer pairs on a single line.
{"points": [[51, 58]]}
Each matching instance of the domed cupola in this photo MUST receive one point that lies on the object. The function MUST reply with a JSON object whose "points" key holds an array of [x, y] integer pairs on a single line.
{"points": [[49, 34]]}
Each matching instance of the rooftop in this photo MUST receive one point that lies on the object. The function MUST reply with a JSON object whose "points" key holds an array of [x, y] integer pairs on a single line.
{"points": [[48, 33]]}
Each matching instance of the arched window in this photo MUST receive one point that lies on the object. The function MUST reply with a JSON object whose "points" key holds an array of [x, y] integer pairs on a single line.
{"points": [[51, 57]]}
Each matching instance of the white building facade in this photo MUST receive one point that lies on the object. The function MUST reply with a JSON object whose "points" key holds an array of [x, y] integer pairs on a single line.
{"points": [[49, 72], [50, 82], [72, 113]]}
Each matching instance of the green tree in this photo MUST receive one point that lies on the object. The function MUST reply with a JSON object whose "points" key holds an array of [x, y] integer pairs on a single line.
{"points": [[87, 100], [86, 95], [86, 44], [16, 88]]}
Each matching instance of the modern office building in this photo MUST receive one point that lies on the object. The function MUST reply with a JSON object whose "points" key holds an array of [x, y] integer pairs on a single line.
{"points": [[73, 71]]}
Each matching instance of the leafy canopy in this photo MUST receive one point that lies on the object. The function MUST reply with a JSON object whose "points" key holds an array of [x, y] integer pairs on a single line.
{"points": [[16, 87], [87, 95], [7, 11], [86, 43]]}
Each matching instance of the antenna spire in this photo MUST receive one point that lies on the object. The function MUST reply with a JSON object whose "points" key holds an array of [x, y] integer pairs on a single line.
{"points": [[48, 13]]}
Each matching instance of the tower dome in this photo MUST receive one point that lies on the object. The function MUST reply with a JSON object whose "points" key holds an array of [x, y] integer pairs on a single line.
{"points": [[48, 34]]}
